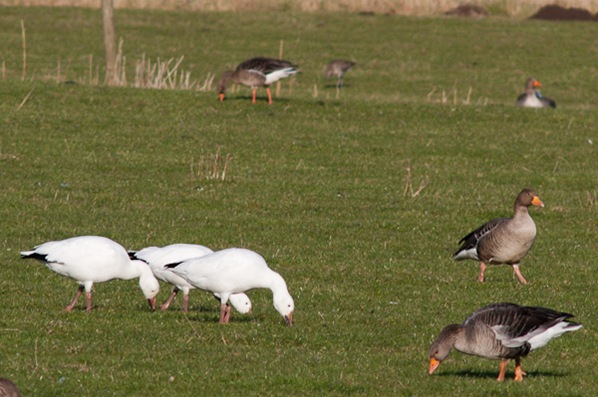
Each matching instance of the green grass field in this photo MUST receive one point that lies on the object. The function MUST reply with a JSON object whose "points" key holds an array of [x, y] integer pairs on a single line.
{"points": [[318, 185]]}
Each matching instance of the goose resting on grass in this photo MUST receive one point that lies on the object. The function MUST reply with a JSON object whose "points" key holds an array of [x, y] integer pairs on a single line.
{"points": [[94, 259], [232, 271], [501, 331], [503, 240], [532, 98], [257, 72], [158, 257]]}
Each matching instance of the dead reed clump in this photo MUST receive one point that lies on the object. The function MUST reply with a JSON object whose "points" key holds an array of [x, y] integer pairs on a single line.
{"points": [[211, 167]]}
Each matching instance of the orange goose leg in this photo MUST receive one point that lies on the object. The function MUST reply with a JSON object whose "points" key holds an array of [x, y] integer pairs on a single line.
{"points": [[518, 274], [503, 369], [166, 304], [253, 95], [269, 95], [518, 371], [74, 302], [482, 270]]}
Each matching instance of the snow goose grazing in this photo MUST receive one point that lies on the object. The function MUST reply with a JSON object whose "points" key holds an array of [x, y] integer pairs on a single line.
{"points": [[503, 240], [236, 270], [94, 259], [158, 257], [501, 331], [532, 98], [257, 72], [337, 68]]}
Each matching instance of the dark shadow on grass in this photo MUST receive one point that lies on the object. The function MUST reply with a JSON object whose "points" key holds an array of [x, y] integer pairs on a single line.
{"points": [[494, 374]]}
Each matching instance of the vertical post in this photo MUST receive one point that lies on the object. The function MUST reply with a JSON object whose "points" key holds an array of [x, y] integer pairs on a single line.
{"points": [[279, 57], [24, 50], [109, 41]]}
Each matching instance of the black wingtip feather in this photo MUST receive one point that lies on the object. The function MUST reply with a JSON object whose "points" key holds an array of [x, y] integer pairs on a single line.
{"points": [[34, 255], [171, 265]]}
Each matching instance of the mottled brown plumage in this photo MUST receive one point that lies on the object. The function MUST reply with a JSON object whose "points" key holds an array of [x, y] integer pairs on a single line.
{"points": [[503, 240], [501, 331]]}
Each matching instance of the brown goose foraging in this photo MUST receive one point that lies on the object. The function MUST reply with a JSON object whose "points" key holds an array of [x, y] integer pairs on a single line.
{"points": [[337, 68], [257, 72], [501, 331], [532, 98], [503, 240]]}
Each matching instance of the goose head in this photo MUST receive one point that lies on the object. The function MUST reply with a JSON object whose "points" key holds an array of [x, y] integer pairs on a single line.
{"points": [[148, 283], [223, 83], [442, 346], [528, 197], [241, 303], [283, 303]]}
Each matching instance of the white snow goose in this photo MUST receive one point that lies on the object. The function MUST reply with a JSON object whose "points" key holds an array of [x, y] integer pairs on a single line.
{"points": [[94, 259], [501, 331], [532, 98], [158, 257], [232, 271], [503, 240], [257, 72], [337, 68]]}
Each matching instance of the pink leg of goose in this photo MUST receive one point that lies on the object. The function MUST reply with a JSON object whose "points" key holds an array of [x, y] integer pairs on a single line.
{"points": [[482, 270], [269, 95], [223, 308], [186, 303], [253, 95], [166, 304], [227, 315], [74, 302], [88, 299], [518, 274], [503, 369]]}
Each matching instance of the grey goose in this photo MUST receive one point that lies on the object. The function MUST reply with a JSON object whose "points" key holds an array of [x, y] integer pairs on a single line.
{"points": [[501, 331], [503, 240], [532, 98]]}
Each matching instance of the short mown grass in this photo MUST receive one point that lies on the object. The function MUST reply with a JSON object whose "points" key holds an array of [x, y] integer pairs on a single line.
{"points": [[315, 184]]}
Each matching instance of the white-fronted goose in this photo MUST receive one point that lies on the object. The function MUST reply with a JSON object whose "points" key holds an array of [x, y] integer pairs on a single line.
{"points": [[532, 98], [236, 270], [337, 68], [158, 257], [501, 331], [503, 240], [94, 259], [257, 72]]}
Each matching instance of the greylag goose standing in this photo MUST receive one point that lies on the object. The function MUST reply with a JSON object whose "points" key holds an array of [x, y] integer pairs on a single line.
{"points": [[94, 259], [257, 72], [337, 68], [236, 270], [501, 331], [503, 240], [532, 98], [158, 257]]}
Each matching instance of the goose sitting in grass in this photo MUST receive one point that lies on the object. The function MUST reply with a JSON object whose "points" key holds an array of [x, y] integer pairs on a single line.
{"points": [[232, 271], [255, 73], [532, 98], [503, 240], [94, 259], [158, 257], [501, 331]]}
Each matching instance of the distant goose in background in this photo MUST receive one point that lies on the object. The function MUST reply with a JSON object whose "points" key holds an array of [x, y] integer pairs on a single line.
{"points": [[532, 98], [503, 240], [158, 257], [337, 68], [94, 259], [8, 388], [257, 72], [501, 331], [236, 270]]}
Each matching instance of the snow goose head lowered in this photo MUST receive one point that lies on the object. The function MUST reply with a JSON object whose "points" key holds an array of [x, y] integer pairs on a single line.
{"points": [[158, 257], [232, 271], [94, 259]]}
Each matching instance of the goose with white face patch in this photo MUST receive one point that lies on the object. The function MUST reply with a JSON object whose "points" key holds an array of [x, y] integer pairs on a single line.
{"points": [[232, 271], [94, 259], [502, 331], [158, 257]]}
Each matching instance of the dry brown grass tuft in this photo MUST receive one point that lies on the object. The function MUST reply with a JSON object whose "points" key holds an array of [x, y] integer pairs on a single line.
{"points": [[211, 166]]}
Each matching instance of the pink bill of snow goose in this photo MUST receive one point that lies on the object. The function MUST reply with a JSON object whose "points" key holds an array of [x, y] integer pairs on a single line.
{"points": [[94, 259], [337, 68], [255, 73], [501, 331], [236, 270], [158, 257], [503, 240], [532, 98]]}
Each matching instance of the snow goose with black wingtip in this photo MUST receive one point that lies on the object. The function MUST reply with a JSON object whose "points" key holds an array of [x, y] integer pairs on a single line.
{"points": [[94, 259], [257, 72], [532, 98], [503, 240], [236, 270], [158, 257], [502, 331]]}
